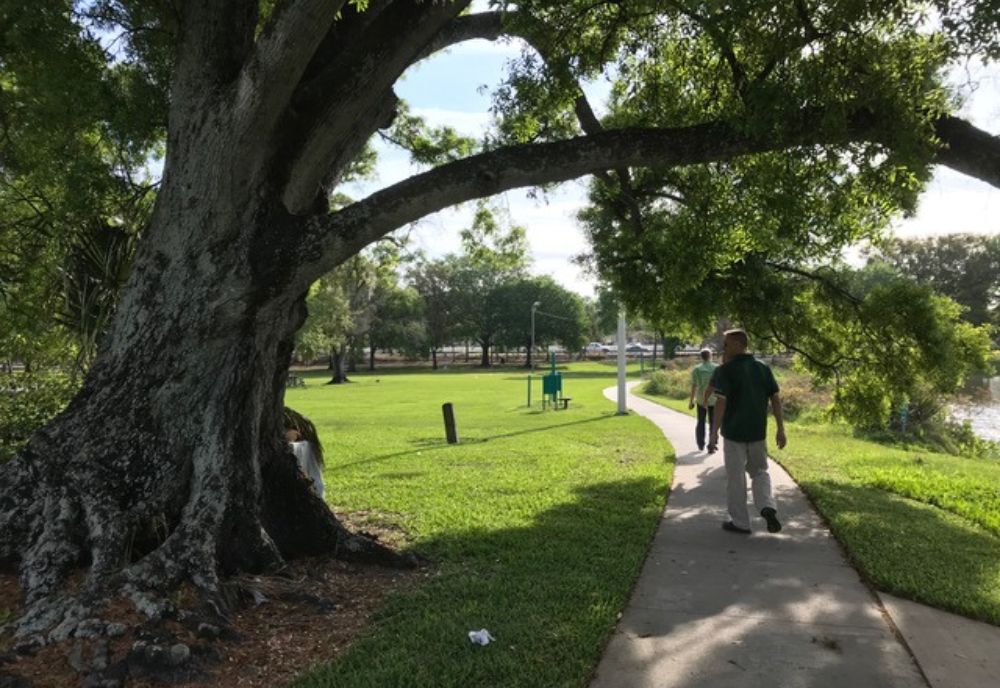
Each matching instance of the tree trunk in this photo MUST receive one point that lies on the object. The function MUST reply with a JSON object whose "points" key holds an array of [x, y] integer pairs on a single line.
{"points": [[339, 360], [484, 359], [434, 358], [169, 464], [351, 357], [371, 355]]}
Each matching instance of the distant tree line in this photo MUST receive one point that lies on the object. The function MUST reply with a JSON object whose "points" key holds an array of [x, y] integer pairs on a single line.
{"points": [[387, 299]]}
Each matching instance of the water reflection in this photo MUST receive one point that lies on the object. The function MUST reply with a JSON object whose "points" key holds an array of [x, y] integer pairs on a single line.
{"points": [[985, 415]]}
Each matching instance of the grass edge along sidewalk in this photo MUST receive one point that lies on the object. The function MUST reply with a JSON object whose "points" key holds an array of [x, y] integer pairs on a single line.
{"points": [[537, 523], [917, 524]]}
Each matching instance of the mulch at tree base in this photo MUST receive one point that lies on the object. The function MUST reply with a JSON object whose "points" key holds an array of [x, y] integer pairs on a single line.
{"points": [[308, 615]]}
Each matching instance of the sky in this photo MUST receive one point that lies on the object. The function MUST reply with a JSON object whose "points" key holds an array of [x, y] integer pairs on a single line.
{"points": [[453, 88]]}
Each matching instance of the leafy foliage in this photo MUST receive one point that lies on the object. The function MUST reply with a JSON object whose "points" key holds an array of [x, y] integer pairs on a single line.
{"points": [[901, 346], [489, 245], [28, 401], [433, 281], [397, 319], [965, 267], [427, 145], [492, 255], [99, 264], [65, 170], [558, 319], [747, 238], [673, 383]]}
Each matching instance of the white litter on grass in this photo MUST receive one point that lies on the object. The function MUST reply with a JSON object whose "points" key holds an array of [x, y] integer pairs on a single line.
{"points": [[481, 637]]}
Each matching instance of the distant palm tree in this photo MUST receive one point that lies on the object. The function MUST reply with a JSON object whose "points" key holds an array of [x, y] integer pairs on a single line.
{"points": [[99, 262]]}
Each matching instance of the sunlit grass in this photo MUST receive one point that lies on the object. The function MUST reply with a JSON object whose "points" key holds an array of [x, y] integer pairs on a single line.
{"points": [[918, 524], [536, 523]]}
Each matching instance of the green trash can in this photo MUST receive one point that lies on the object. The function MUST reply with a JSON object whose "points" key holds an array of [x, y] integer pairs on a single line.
{"points": [[552, 383]]}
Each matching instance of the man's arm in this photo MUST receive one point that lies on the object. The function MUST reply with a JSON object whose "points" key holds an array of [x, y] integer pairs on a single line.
{"points": [[779, 421], [694, 388], [720, 409]]}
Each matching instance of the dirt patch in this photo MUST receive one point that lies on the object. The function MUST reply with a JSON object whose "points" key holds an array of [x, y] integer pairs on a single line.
{"points": [[309, 614]]}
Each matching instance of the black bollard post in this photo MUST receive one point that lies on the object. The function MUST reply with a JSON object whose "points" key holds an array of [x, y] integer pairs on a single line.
{"points": [[449, 423]]}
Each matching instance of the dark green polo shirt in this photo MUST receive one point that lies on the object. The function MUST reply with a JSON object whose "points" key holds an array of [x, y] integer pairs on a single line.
{"points": [[747, 384]]}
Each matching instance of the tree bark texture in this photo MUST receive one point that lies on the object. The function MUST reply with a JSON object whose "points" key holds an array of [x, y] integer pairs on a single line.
{"points": [[169, 465]]}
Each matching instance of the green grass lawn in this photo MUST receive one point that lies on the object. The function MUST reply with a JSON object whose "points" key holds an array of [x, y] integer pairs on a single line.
{"points": [[536, 523], [918, 524]]}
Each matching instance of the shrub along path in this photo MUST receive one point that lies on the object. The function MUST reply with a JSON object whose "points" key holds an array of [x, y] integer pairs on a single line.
{"points": [[713, 608]]}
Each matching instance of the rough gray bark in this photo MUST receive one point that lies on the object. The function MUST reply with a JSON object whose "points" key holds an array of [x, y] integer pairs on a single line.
{"points": [[168, 466]]}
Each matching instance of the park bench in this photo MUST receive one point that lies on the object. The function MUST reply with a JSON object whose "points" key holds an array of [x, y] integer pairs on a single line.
{"points": [[564, 402], [295, 381]]}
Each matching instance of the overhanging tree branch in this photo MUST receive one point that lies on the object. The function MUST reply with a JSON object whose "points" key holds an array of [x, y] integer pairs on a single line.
{"points": [[493, 172], [968, 150], [523, 165], [487, 26]]}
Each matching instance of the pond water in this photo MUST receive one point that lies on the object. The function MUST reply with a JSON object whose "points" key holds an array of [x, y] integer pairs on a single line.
{"points": [[984, 416]]}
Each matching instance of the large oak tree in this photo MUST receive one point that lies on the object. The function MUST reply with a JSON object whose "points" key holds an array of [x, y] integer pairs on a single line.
{"points": [[268, 104]]}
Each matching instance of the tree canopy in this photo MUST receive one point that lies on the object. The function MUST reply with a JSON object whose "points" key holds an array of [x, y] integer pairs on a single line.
{"points": [[965, 267]]}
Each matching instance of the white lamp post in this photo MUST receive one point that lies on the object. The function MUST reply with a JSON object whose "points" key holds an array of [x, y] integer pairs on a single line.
{"points": [[531, 350], [622, 391]]}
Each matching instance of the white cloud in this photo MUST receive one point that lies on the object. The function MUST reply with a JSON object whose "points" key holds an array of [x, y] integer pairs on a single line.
{"points": [[979, 88], [954, 203], [467, 123], [566, 274], [505, 48], [554, 239]]}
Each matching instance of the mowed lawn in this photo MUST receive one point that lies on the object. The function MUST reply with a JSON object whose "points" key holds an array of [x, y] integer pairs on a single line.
{"points": [[918, 524], [536, 524]]}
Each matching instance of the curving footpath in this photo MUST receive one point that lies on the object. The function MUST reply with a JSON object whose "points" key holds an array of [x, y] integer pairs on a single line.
{"points": [[715, 609]]}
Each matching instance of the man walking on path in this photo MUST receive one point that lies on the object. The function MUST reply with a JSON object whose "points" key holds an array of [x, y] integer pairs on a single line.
{"points": [[743, 386], [701, 376]]}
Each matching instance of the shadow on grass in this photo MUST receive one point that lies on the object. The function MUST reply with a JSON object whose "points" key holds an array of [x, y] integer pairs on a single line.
{"points": [[549, 592], [914, 550], [426, 443]]}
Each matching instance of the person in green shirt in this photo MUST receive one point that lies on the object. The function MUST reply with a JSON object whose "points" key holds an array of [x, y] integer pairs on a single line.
{"points": [[744, 386], [701, 376]]}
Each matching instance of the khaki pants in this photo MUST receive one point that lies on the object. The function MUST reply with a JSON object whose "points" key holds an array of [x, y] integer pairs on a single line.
{"points": [[744, 458]]}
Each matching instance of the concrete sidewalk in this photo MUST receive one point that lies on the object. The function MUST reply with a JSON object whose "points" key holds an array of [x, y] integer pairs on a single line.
{"points": [[715, 609]]}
